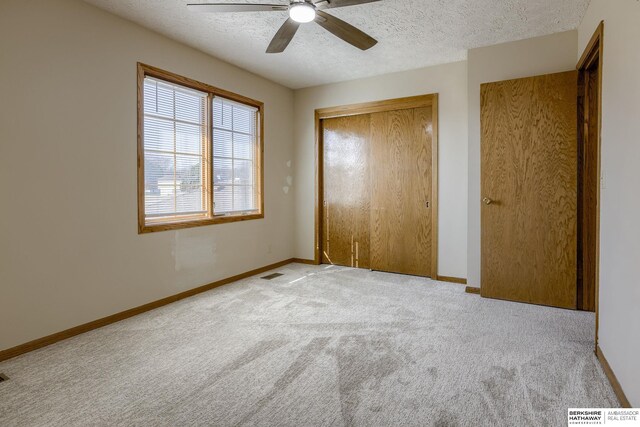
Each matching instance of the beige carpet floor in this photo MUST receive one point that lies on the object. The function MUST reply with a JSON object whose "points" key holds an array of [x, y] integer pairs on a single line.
{"points": [[318, 346]]}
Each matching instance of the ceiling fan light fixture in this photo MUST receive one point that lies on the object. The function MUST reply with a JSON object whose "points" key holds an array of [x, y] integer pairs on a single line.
{"points": [[302, 12]]}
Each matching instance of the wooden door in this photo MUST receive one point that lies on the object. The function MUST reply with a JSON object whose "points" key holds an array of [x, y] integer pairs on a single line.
{"points": [[401, 181], [529, 189], [345, 227]]}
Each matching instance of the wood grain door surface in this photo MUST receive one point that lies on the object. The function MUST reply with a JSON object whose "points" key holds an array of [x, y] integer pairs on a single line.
{"points": [[529, 189], [376, 188], [401, 191], [346, 191]]}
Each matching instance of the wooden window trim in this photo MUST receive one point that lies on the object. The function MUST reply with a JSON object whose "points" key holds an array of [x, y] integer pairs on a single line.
{"points": [[145, 226]]}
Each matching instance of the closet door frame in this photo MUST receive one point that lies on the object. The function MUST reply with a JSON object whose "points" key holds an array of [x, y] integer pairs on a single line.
{"points": [[429, 100]]}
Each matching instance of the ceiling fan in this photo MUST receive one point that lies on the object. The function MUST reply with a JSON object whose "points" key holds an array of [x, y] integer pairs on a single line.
{"points": [[300, 12]]}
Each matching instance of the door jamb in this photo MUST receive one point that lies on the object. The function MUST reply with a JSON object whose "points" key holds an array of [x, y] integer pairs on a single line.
{"points": [[593, 52], [430, 100]]}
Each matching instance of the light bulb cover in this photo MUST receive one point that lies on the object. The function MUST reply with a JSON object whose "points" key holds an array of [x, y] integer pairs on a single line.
{"points": [[302, 12]]}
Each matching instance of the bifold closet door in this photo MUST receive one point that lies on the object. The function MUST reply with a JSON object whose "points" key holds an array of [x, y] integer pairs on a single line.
{"points": [[345, 227], [401, 181], [529, 189]]}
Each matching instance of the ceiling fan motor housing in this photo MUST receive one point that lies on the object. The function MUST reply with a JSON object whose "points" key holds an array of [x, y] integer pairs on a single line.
{"points": [[302, 11]]}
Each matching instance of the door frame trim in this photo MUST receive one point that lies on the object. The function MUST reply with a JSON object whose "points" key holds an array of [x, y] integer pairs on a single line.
{"points": [[428, 100], [595, 47]]}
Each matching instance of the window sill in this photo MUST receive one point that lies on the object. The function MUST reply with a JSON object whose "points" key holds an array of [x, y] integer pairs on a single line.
{"points": [[177, 225]]}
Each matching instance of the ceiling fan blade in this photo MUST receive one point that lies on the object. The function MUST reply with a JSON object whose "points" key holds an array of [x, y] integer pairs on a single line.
{"points": [[284, 35], [235, 7], [346, 32], [332, 4]]}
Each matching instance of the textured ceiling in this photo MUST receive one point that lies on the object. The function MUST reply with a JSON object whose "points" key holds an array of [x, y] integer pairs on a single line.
{"points": [[410, 33]]}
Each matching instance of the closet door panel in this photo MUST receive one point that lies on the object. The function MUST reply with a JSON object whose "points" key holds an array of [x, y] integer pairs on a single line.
{"points": [[401, 181], [345, 231]]}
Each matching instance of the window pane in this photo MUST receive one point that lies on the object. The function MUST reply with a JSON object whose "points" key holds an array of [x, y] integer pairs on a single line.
{"points": [[159, 184], [188, 171], [222, 112], [191, 201], [160, 204], [189, 107], [243, 146], [158, 168], [164, 103], [189, 138], [234, 147], [174, 181], [150, 98], [222, 143], [243, 119], [189, 182], [223, 199], [242, 172], [222, 171], [158, 134], [243, 198]]}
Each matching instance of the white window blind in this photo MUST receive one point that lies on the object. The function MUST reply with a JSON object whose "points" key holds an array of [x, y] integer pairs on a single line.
{"points": [[175, 164], [235, 145]]}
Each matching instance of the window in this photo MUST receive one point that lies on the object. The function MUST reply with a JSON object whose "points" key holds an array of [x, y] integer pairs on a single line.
{"points": [[175, 145], [199, 153], [234, 157]]}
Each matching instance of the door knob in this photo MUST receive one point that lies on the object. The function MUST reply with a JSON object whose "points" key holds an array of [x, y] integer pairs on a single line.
{"points": [[487, 201]]}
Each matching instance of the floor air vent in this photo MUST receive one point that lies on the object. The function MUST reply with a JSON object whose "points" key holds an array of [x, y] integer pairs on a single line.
{"points": [[272, 276], [3, 377]]}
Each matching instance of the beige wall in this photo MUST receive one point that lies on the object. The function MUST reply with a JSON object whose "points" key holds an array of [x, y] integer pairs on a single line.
{"points": [[619, 301], [450, 82], [541, 55], [69, 248]]}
